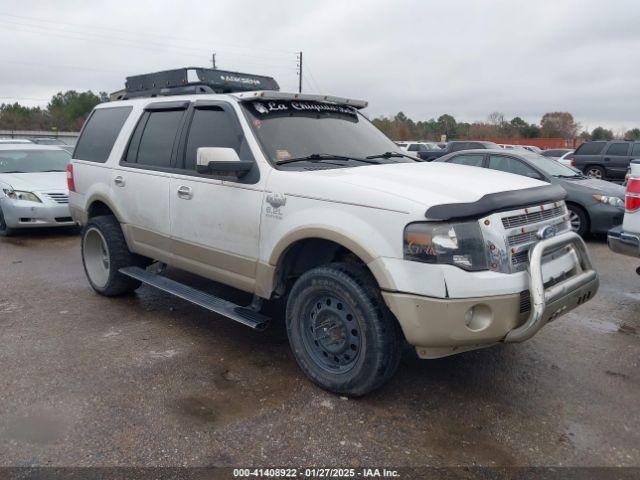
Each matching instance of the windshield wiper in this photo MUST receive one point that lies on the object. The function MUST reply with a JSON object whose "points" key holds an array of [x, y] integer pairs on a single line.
{"points": [[569, 176], [46, 171], [389, 155], [13, 171], [318, 157]]}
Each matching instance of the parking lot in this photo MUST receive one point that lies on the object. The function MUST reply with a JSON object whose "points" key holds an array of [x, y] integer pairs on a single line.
{"points": [[151, 380]]}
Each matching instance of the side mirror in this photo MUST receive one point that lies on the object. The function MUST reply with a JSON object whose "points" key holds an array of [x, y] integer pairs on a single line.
{"points": [[221, 161]]}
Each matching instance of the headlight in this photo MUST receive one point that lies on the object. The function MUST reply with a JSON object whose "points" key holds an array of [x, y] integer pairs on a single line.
{"points": [[613, 201], [18, 195], [459, 244]]}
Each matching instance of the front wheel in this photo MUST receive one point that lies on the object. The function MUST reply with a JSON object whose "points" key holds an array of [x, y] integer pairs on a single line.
{"points": [[342, 334], [595, 172], [104, 253], [578, 219], [4, 230]]}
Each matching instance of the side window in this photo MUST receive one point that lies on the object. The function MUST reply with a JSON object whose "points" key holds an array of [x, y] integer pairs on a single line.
{"points": [[459, 146], [471, 160], [590, 148], [475, 145], [213, 127], [100, 133], [618, 149], [636, 150], [511, 165], [413, 147], [156, 143]]}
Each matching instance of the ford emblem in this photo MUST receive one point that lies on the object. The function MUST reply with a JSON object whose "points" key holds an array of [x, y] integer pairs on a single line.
{"points": [[546, 232]]}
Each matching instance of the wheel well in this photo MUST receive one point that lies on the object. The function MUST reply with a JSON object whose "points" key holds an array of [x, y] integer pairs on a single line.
{"points": [[99, 208], [306, 254], [581, 208]]}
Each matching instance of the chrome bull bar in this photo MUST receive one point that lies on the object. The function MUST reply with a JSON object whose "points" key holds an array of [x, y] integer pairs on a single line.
{"points": [[547, 304]]}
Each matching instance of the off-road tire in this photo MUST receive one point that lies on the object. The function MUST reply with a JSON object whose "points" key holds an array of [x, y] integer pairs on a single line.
{"points": [[380, 335], [4, 230], [119, 256]]}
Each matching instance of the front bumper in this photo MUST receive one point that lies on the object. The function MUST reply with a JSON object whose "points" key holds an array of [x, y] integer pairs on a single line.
{"points": [[439, 326], [603, 217], [626, 243], [23, 214]]}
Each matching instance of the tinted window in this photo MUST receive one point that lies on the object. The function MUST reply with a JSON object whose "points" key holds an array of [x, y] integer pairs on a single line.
{"points": [[214, 128], [511, 165], [413, 147], [100, 133], [157, 139], [459, 146], [636, 150], [471, 160], [618, 149], [475, 145], [590, 148]]}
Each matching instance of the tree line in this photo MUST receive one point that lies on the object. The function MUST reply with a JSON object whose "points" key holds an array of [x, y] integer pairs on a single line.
{"points": [[552, 125], [65, 112]]}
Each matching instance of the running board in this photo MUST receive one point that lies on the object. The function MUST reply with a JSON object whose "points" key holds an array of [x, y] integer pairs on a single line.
{"points": [[244, 315]]}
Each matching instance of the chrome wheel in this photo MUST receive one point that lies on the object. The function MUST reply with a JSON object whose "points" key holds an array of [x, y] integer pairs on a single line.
{"points": [[96, 257], [575, 221], [594, 173]]}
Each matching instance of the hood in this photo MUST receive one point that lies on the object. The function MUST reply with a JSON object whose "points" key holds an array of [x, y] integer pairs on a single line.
{"points": [[430, 183], [35, 182], [599, 186]]}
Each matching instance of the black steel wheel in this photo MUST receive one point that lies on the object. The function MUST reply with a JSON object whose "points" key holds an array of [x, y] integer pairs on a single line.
{"points": [[341, 333]]}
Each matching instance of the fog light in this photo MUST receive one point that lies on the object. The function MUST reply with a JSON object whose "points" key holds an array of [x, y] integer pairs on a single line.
{"points": [[478, 318]]}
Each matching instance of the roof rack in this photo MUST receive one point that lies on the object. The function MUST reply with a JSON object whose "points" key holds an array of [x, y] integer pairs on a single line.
{"points": [[192, 80]]}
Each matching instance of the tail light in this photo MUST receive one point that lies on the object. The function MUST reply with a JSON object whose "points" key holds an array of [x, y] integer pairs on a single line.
{"points": [[70, 181], [573, 163], [633, 195]]}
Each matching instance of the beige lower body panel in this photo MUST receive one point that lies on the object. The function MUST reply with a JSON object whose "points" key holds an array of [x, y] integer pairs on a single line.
{"points": [[440, 327]]}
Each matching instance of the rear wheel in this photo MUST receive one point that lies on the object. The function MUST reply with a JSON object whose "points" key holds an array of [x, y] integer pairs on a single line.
{"points": [[104, 253], [4, 230], [578, 219], [595, 171], [342, 334]]}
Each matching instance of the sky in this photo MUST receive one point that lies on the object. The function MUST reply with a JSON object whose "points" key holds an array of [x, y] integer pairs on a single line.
{"points": [[424, 58]]}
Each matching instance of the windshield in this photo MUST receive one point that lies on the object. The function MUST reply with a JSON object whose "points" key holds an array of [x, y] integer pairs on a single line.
{"points": [[31, 161], [293, 130], [552, 167]]}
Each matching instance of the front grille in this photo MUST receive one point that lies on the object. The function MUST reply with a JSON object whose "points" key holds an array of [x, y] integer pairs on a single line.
{"points": [[525, 296], [62, 198], [528, 218], [510, 235]]}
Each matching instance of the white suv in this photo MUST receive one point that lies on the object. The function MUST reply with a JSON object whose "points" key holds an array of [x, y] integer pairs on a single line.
{"points": [[625, 238], [300, 197]]}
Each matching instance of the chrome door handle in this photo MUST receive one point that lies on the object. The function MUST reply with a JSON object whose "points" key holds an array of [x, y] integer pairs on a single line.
{"points": [[119, 181], [185, 192]]}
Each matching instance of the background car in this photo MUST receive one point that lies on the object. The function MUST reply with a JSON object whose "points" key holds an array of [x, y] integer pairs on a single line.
{"points": [[416, 148], [33, 187], [53, 141], [14, 141], [456, 146], [594, 205], [555, 152], [606, 159]]}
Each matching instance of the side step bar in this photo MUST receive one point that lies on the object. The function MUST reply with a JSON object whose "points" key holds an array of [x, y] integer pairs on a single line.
{"points": [[244, 315]]}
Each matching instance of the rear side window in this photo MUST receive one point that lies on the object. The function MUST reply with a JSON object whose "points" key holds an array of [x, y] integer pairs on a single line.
{"points": [[156, 143], [590, 148], [213, 127], [413, 147], [471, 160], [618, 149], [511, 165], [636, 150], [100, 133]]}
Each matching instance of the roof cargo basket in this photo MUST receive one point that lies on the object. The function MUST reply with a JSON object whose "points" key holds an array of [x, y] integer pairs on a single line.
{"points": [[192, 80]]}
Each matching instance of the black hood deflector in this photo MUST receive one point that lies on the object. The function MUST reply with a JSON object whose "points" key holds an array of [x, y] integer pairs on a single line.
{"points": [[496, 202]]}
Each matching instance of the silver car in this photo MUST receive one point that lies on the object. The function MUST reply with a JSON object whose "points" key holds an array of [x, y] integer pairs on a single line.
{"points": [[33, 187]]}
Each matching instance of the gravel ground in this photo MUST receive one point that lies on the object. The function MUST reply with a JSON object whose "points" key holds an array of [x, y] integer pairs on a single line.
{"points": [[150, 380]]}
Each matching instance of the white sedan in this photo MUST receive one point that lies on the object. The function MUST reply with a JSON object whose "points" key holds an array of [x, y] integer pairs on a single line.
{"points": [[33, 187]]}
